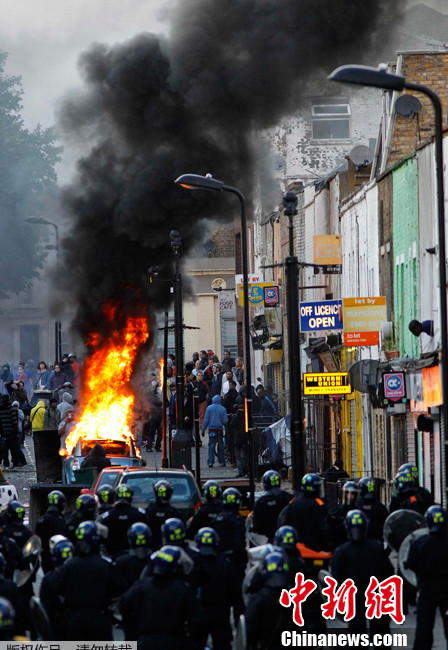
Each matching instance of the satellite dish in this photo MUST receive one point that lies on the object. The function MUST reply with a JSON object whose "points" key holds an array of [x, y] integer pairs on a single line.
{"points": [[363, 374], [361, 156], [407, 105], [209, 247]]}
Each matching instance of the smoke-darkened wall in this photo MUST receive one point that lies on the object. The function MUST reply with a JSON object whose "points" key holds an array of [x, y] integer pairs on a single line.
{"points": [[153, 108]]}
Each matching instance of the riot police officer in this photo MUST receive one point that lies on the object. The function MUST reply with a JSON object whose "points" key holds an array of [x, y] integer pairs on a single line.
{"points": [[158, 512], [118, 520], [359, 559], [206, 514], [53, 605], [13, 516], [408, 496], [307, 513], [10, 591], [106, 498], [268, 507], [336, 515], [220, 588], [428, 558], [128, 566], [231, 529], [286, 538], [376, 512], [168, 603], [85, 584], [12, 554], [85, 510], [265, 617], [49, 524]]}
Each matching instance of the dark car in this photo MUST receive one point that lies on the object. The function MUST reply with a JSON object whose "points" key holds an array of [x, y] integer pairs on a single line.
{"points": [[186, 493]]}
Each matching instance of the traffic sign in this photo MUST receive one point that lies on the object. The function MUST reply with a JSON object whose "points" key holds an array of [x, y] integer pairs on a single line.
{"points": [[394, 386]]}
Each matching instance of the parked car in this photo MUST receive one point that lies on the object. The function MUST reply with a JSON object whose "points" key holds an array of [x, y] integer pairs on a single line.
{"points": [[186, 493]]}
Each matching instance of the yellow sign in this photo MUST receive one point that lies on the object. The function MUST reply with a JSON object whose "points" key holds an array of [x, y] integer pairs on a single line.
{"points": [[256, 293], [432, 387], [326, 383], [327, 249], [364, 314]]}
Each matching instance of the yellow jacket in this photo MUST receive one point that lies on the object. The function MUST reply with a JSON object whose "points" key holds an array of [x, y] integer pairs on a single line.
{"points": [[37, 416]]}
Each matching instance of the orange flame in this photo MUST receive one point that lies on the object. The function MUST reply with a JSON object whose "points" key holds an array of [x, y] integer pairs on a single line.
{"points": [[161, 371], [106, 399]]}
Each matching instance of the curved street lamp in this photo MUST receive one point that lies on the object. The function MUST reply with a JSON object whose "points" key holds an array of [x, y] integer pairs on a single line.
{"points": [[380, 78], [197, 182]]}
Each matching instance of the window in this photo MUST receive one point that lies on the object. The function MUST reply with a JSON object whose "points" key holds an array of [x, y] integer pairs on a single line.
{"points": [[229, 336], [331, 118]]}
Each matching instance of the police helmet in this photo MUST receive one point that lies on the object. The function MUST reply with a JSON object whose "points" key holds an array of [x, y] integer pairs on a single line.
{"points": [[163, 491], [106, 494], [7, 616], [367, 487], [85, 504], [409, 467], [166, 561], [14, 512], [436, 519], [88, 538], [174, 531], [139, 536], [212, 492], [124, 494], [312, 485], [62, 551], [355, 524], [274, 570], [286, 537], [403, 482], [207, 541], [231, 499], [350, 491], [56, 501], [271, 480]]}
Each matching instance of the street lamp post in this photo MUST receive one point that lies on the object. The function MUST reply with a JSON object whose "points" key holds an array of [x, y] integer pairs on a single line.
{"points": [[380, 78], [295, 380], [197, 182], [57, 326]]}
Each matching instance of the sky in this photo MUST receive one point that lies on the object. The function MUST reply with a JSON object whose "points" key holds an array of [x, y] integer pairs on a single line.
{"points": [[44, 39]]}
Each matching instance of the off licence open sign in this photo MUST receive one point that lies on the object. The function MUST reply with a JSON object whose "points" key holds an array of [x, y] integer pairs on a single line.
{"points": [[326, 383]]}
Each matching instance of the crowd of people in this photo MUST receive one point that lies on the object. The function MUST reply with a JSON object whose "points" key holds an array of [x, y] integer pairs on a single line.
{"points": [[174, 582], [221, 390]]}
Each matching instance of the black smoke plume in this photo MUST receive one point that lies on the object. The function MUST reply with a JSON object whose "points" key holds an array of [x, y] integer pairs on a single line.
{"points": [[153, 108]]}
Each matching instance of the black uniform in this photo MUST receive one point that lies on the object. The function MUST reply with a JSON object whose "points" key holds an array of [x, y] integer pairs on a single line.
{"points": [[118, 521], [308, 516], [155, 610], [18, 532], [428, 557], [157, 513], [85, 583], [73, 521], [49, 524], [335, 524], [220, 589], [127, 569], [266, 619], [360, 561], [266, 512], [231, 529], [204, 517], [53, 605], [376, 513], [12, 555], [418, 499], [10, 591]]}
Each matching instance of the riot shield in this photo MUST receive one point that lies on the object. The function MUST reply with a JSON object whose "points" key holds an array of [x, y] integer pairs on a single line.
{"points": [[241, 634], [253, 539], [40, 620], [31, 555], [399, 525], [403, 554]]}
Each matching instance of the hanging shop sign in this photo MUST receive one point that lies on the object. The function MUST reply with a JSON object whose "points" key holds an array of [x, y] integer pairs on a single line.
{"points": [[327, 249], [226, 300], [271, 296], [394, 386], [353, 339], [432, 387], [256, 293], [326, 383], [364, 314], [324, 315], [252, 278]]}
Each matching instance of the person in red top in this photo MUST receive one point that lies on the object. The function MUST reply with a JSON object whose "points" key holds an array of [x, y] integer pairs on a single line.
{"points": [[75, 367]]}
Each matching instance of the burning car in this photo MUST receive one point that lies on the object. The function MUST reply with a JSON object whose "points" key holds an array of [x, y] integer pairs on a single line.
{"points": [[119, 452]]}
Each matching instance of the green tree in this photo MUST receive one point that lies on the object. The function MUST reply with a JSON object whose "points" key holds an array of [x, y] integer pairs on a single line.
{"points": [[27, 177]]}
